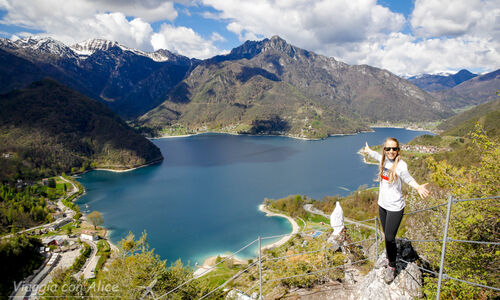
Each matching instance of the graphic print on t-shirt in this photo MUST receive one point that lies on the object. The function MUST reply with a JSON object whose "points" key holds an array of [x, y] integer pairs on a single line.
{"points": [[385, 174]]}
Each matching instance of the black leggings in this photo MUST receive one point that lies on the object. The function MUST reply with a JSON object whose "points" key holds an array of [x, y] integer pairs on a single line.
{"points": [[390, 223]]}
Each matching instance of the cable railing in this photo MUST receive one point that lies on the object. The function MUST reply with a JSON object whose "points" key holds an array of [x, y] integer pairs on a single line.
{"points": [[440, 274]]}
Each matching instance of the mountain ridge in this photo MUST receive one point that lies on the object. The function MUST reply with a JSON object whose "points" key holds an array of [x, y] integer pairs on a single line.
{"points": [[129, 82], [348, 96]]}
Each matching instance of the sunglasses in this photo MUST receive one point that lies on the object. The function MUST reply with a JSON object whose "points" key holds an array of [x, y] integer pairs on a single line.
{"points": [[391, 148]]}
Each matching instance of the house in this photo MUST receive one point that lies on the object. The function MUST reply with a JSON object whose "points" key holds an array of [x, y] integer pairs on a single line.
{"points": [[89, 235], [45, 181], [53, 259], [55, 240], [59, 223], [58, 215]]}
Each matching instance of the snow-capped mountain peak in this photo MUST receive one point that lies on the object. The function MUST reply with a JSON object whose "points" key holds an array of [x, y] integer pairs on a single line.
{"points": [[45, 45], [88, 47]]}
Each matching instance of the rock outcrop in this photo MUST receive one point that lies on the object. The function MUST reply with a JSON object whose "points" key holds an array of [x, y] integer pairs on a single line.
{"points": [[406, 285]]}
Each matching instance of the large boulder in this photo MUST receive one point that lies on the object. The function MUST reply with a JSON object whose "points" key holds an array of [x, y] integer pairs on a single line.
{"points": [[406, 285]]}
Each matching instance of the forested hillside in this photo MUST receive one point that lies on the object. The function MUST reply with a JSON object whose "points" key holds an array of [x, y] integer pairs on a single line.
{"points": [[47, 129]]}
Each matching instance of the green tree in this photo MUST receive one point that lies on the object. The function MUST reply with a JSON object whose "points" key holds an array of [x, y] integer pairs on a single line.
{"points": [[95, 218], [51, 183], [19, 256], [474, 221], [137, 267]]}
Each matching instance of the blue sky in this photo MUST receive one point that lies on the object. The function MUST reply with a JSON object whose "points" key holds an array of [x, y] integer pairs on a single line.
{"points": [[405, 37]]}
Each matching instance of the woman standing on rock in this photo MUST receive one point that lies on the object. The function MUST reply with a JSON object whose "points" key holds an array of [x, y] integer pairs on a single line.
{"points": [[391, 203]]}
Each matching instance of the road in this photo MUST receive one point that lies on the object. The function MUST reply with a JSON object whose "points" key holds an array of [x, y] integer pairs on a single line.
{"points": [[311, 209], [90, 263]]}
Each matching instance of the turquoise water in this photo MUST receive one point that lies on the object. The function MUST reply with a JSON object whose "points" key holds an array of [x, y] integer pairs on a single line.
{"points": [[203, 199]]}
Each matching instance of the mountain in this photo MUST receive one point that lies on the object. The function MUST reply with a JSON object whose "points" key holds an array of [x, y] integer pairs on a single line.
{"points": [[129, 81], [439, 82], [47, 129], [270, 86], [462, 89], [487, 114], [481, 89]]}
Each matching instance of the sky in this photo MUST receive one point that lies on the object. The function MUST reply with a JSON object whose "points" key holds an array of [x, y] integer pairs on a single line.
{"points": [[406, 37]]}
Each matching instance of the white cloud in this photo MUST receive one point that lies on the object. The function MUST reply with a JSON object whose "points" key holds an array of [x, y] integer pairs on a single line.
{"points": [[407, 55], [447, 36], [307, 23], [432, 18], [34, 13], [184, 41], [78, 20], [216, 37], [112, 26]]}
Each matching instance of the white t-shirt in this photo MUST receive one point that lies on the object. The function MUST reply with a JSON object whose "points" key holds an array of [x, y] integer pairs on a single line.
{"points": [[389, 195]]}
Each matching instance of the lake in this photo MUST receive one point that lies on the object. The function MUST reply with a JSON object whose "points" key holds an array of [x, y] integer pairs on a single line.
{"points": [[203, 199]]}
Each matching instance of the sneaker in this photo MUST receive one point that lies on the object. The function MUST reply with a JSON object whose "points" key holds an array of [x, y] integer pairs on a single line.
{"points": [[389, 274]]}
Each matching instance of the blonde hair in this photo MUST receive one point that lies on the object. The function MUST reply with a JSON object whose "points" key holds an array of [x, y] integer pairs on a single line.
{"points": [[392, 172]]}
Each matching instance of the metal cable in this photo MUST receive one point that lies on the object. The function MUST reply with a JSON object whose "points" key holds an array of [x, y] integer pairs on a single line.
{"points": [[315, 272], [475, 199], [424, 209], [472, 283], [282, 235], [474, 242], [323, 270], [423, 241], [209, 269], [356, 221], [230, 279], [251, 288], [297, 254], [423, 269], [315, 251]]}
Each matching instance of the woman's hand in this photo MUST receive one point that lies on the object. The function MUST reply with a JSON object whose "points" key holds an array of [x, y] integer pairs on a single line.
{"points": [[423, 191], [366, 149]]}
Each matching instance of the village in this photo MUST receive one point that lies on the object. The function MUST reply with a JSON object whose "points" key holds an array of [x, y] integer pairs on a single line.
{"points": [[70, 242], [423, 149]]}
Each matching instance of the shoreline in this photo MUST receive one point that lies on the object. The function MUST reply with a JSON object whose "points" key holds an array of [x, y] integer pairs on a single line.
{"points": [[274, 135], [283, 240], [120, 170], [403, 127], [84, 216], [210, 261]]}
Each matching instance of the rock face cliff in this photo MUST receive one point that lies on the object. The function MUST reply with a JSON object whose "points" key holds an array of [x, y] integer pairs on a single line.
{"points": [[309, 94]]}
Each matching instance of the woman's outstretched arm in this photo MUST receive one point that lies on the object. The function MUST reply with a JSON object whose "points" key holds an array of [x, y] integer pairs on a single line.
{"points": [[373, 154], [408, 179]]}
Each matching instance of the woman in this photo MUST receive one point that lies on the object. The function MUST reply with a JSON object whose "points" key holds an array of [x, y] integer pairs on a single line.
{"points": [[391, 204]]}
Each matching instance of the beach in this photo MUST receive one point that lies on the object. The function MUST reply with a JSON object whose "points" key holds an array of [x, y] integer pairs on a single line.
{"points": [[283, 240], [210, 262]]}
